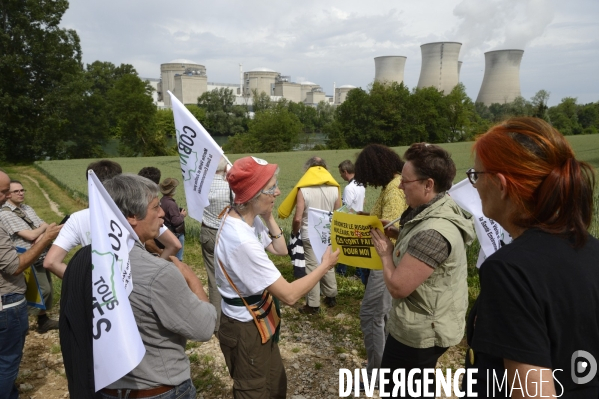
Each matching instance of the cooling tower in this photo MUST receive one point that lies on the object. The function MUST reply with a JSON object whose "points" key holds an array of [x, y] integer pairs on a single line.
{"points": [[389, 68], [459, 69], [439, 65], [501, 83]]}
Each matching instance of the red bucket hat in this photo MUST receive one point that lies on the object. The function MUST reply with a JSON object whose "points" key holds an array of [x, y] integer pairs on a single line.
{"points": [[248, 175]]}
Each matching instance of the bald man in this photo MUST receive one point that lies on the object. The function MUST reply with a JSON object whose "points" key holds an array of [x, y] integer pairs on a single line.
{"points": [[13, 307]]}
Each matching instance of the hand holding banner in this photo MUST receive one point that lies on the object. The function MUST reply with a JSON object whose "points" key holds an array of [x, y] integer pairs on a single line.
{"points": [[117, 345], [351, 233], [199, 155], [319, 230]]}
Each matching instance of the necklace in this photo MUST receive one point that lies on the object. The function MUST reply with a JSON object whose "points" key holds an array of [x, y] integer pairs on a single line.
{"points": [[241, 216]]}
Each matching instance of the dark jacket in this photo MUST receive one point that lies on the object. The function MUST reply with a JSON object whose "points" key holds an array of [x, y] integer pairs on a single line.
{"points": [[172, 215], [75, 324]]}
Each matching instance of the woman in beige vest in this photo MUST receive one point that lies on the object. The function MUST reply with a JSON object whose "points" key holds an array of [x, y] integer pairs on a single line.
{"points": [[426, 271]]}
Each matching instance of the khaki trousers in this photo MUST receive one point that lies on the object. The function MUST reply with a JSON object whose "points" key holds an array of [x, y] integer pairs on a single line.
{"points": [[328, 283], [207, 239], [257, 369]]}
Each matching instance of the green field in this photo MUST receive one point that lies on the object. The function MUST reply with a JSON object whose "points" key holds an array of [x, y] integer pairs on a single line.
{"points": [[70, 174]]}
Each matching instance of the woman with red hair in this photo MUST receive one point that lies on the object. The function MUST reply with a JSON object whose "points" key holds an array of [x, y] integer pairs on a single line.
{"points": [[537, 315]]}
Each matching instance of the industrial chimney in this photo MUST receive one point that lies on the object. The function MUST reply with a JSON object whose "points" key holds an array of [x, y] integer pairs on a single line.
{"points": [[389, 68], [439, 65], [501, 83]]}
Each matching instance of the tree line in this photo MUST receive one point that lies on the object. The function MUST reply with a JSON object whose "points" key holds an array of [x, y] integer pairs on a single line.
{"points": [[54, 107]]}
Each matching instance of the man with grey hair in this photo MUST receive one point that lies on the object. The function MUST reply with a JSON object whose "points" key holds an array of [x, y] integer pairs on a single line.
{"points": [[219, 197], [77, 229], [13, 307], [168, 301]]}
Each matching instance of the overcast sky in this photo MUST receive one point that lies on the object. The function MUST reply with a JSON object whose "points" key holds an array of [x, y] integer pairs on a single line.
{"points": [[336, 41]]}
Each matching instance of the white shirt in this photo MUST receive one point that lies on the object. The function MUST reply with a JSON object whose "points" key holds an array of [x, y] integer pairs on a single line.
{"points": [[240, 248], [353, 196], [77, 231]]}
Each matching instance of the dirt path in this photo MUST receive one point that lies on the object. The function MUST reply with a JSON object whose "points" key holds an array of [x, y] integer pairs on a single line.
{"points": [[53, 205]]}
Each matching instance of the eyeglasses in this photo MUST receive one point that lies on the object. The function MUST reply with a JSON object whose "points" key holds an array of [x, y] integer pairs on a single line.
{"points": [[404, 182], [473, 175], [272, 190], [19, 191]]}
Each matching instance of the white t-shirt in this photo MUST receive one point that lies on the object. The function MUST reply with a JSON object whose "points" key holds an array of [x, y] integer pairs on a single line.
{"points": [[77, 231], [353, 196], [241, 250]]}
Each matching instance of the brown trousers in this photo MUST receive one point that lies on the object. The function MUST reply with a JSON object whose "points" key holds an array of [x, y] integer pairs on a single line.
{"points": [[257, 369]]}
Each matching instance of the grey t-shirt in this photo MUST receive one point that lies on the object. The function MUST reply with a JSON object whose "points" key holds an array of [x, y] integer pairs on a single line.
{"points": [[167, 313]]}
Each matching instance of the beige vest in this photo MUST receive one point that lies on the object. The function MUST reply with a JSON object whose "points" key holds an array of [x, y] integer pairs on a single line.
{"points": [[434, 314], [319, 197]]}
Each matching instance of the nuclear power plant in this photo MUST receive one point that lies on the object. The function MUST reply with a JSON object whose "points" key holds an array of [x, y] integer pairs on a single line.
{"points": [[389, 68], [439, 67], [501, 82]]}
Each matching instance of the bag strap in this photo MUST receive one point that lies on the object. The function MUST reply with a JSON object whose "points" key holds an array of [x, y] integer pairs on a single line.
{"points": [[19, 212]]}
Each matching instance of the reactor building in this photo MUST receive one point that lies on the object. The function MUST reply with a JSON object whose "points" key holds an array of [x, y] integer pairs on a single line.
{"points": [[186, 79], [439, 67], [501, 82], [261, 80], [389, 68]]}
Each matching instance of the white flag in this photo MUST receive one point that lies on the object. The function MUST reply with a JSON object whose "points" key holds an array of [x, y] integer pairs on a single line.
{"points": [[489, 232], [319, 230], [117, 345], [199, 155]]}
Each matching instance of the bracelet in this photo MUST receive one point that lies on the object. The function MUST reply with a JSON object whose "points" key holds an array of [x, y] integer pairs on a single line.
{"points": [[277, 236]]}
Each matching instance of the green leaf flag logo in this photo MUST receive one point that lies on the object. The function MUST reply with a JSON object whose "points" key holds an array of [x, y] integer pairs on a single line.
{"points": [[111, 261]]}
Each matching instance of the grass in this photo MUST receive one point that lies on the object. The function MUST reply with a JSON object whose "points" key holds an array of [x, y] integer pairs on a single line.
{"points": [[70, 174]]}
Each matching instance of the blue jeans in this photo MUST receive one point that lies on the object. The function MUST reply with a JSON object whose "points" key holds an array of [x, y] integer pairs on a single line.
{"points": [[341, 269], [185, 390], [13, 329], [179, 254]]}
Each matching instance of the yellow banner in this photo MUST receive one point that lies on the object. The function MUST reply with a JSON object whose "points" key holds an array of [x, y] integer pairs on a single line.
{"points": [[33, 294], [351, 233]]}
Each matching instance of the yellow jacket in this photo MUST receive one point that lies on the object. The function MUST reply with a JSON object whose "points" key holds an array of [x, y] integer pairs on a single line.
{"points": [[315, 176]]}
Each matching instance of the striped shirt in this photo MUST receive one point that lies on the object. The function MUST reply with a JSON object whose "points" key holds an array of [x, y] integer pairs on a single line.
{"points": [[14, 223], [219, 197]]}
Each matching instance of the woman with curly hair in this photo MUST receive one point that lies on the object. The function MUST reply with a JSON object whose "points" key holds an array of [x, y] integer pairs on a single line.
{"points": [[378, 166]]}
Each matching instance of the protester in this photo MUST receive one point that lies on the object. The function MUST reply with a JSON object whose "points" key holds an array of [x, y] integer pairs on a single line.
{"points": [[378, 166], [426, 272], [77, 229], [538, 308], [13, 306], [156, 246], [220, 196], [150, 172], [353, 199], [168, 303], [25, 227], [174, 217], [246, 231], [316, 189]]}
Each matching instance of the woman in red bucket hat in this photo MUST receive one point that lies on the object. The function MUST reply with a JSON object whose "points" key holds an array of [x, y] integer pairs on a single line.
{"points": [[251, 285]]}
